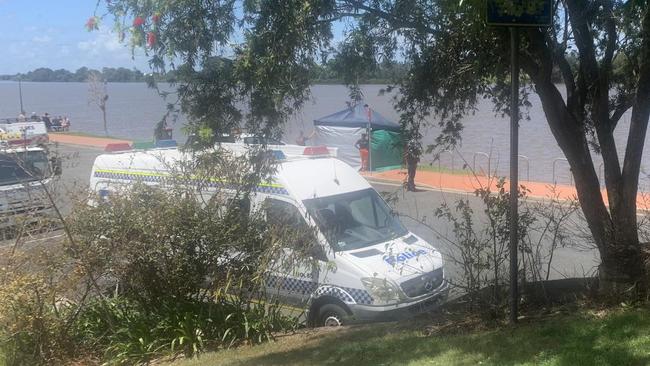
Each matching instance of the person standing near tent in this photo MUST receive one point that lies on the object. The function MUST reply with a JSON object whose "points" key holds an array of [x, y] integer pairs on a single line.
{"points": [[363, 145], [302, 139], [412, 152]]}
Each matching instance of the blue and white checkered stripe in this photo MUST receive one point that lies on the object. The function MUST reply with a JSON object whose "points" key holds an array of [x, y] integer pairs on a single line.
{"points": [[359, 295], [335, 292], [268, 188], [272, 190], [346, 294], [291, 284], [140, 177]]}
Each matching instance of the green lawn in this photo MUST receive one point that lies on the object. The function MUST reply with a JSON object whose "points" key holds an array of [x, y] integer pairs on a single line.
{"points": [[442, 169], [621, 337]]}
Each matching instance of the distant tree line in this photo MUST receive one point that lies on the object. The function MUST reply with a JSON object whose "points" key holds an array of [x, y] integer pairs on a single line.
{"points": [[333, 71], [328, 72], [109, 74]]}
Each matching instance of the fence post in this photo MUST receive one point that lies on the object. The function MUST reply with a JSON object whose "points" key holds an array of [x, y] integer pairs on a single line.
{"points": [[525, 159], [488, 162], [570, 174]]}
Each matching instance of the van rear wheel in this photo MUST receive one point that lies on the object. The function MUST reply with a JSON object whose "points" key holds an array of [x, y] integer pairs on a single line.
{"points": [[331, 315]]}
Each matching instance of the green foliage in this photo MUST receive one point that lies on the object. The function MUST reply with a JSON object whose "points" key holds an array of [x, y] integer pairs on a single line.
{"points": [[34, 317], [271, 45], [616, 337], [483, 249], [127, 332], [165, 250], [184, 270], [152, 271], [480, 242]]}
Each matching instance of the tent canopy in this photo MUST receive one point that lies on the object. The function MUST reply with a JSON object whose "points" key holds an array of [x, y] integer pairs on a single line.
{"points": [[357, 117], [342, 129]]}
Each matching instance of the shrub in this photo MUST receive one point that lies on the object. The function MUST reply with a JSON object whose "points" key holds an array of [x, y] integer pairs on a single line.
{"points": [[152, 271], [34, 318], [127, 332], [480, 243]]}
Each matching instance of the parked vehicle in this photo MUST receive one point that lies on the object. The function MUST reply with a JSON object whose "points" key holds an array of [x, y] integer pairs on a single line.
{"points": [[26, 171], [367, 265], [249, 139]]}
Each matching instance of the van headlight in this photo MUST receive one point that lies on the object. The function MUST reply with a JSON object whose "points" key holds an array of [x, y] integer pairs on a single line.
{"points": [[382, 290]]}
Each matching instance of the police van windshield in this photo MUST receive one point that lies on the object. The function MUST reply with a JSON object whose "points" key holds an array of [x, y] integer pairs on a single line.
{"points": [[355, 220], [25, 166]]}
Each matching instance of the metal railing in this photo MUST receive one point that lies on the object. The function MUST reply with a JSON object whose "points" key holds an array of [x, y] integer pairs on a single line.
{"points": [[555, 161], [489, 165], [451, 154], [482, 163]]}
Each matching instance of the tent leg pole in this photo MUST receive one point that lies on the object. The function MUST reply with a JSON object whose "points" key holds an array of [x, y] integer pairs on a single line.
{"points": [[369, 150]]}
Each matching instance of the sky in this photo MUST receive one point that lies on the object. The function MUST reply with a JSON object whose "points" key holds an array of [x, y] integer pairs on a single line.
{"points": [[51, 33]]}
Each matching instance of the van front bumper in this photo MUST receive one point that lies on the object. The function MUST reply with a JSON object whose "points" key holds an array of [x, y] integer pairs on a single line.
{"points": [[369, 313]]}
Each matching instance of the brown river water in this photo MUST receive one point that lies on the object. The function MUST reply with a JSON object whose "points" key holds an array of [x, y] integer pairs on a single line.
{"points": [[133, 109]]}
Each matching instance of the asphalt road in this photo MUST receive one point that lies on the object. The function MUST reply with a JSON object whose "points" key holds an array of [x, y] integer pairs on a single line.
{"points": [[77, 163], [417, 210]]}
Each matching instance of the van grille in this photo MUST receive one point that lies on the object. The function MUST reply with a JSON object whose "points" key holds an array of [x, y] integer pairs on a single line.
{"points": [[423, 284]]}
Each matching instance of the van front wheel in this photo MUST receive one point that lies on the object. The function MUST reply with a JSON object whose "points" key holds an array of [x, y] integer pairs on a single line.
{"points": [[331, 315]]}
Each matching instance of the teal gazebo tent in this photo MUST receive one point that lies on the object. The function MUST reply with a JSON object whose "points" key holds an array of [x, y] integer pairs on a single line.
{"points": [[342, 129]]}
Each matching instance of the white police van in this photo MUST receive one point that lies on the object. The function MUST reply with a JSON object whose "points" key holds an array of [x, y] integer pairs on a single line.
{"points": [[367, 265]]}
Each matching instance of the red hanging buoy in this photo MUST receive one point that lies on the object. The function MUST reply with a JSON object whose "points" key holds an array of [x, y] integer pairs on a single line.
{"points": [[91, 24], [151, 39]]}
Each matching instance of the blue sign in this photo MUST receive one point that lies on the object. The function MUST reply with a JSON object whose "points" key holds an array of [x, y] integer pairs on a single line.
{"points": [[522, 13]]}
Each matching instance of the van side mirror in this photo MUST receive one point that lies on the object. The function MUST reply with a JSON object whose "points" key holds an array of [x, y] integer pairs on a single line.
{"points": [[317, 252]]}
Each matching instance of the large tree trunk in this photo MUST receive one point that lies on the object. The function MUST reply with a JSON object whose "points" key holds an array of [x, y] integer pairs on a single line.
{"points": [[614, 230]]}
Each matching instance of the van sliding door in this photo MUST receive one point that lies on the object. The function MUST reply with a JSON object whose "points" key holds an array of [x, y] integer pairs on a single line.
{"points": [[294, 275]]}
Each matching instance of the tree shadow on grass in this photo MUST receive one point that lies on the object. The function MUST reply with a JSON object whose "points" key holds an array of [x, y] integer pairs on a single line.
{"points": [[620, 339]]}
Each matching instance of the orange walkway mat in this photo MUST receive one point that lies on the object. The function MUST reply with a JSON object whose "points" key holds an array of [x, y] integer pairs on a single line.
{"points": [[469, 183], [90, 141]]}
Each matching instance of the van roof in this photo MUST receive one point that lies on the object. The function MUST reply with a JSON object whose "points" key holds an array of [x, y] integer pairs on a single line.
{"points": [[311, 178], [138, 160], [302, 178]]}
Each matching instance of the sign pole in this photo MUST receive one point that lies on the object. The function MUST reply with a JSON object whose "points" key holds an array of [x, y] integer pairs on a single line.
{"points": [[515, 14], [514, 172]]}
